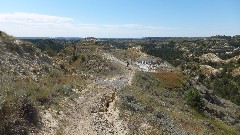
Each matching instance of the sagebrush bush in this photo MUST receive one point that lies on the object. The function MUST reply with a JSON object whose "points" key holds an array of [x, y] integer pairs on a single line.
{"points": [[131, 103]]}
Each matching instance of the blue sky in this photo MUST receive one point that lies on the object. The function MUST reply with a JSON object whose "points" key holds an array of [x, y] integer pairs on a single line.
{"points": [[120, 18]]}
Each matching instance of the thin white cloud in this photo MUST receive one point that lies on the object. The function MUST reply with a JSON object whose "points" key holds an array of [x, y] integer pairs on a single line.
{"points": [[28, 18], [32, 24], [125, 26]]}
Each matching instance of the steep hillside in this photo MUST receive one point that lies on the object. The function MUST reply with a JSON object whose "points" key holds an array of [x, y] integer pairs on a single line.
{"points": [[31, 81]]}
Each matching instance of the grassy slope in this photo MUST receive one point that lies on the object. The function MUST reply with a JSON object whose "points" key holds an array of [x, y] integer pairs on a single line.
{"points": [[164, 93]]}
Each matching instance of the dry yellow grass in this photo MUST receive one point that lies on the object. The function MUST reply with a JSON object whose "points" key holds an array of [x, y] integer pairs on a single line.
{"points": [[170, 79]]}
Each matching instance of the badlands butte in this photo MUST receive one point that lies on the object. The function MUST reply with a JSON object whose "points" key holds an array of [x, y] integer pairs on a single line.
{"points": [[148, 86]]}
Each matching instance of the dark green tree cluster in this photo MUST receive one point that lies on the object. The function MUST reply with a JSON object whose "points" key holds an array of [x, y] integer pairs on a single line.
{"points": [[227, 89], [167, 52], [51, 46], [195, 100], [224, 84]]}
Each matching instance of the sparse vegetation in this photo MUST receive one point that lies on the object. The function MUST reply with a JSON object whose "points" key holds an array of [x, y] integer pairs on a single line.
{"points": [[52, 46], [46, 77]]}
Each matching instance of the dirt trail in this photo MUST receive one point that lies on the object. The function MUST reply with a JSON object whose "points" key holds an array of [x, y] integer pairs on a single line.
{"points": [[122, 80], [94, 112]]}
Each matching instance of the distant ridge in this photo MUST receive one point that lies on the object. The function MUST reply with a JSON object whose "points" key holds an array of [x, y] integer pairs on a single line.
{"points": [[63, 38], [172, 38]]}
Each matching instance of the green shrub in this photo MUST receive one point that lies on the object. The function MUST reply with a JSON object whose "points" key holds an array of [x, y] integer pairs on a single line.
{"points": [[194, 99], [65, 90]]}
